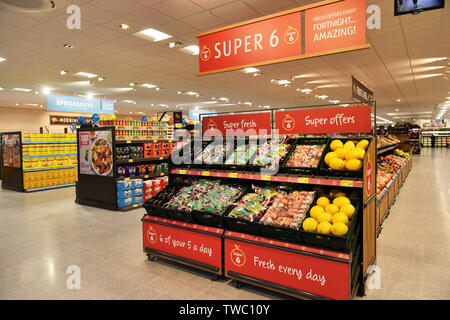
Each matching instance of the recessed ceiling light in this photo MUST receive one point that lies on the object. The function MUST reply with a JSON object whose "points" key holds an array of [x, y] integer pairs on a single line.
{"points": [[1, 89], [17, 104], [157, 88], [179, 92], [344, 105], [191, 93], [132, 84], [31, 104], [101, 79], [250, 70], [41, 106], [224, 99], [63, 72], [257, 74], [36, 92], [283, 82], [267, 107], [323, 97], [154, 34], [148, 85], [2, 59], [124, 26], [398, 100], [67, 46], [248, 103], [174, 44], [89, 95], [307, 91], [335, 101], [396, 110], [46, 90], [193, 49], [86, 74], [22, 90]]}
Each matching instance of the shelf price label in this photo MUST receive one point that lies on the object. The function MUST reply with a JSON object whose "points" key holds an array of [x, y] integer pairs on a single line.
{"points": [[135, 205], [145, 177], [160, 158], [346, 183], [128, 141], [266, 178], [233, 175], [205, 173], [130, 160], [303, 180], [182, 172]]}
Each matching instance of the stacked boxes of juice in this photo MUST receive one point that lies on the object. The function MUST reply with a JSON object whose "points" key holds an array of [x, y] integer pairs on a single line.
{"points": [[141, 170], [50, 178], [152, 187], [130, 192]]}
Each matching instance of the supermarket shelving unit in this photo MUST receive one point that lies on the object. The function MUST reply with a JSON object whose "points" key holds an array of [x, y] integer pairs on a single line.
{"points": [[101, 191], [14, 177]]}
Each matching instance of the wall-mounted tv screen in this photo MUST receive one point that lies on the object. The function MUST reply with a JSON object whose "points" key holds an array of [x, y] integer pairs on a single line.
{"points": [[416, 6]]}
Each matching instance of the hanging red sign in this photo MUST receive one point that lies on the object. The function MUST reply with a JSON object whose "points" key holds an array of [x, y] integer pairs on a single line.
{"points": [[331, 120], [258, 42], [335, 26], [330, 26], [320, 276], [247, 124]]}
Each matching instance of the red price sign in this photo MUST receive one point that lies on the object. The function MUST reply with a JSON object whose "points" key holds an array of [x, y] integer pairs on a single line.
{"points": [[315, 275], [330, 120], [237, 125], [329, 26], [262, 41]]}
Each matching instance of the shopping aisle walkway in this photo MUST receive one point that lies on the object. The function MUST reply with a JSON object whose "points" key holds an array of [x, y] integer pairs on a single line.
{"points": [[41, 234], [413, 249]]}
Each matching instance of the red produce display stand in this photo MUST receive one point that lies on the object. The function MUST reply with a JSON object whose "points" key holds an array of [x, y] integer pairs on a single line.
{"points": [[298, 269]]}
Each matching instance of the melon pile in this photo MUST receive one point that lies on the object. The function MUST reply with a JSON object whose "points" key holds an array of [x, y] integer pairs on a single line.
{"points": [[346, 156]]}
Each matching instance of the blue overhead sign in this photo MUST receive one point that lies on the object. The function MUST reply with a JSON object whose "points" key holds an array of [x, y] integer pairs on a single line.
{"points": [[73, 104], [195, 114], [107, 107]]}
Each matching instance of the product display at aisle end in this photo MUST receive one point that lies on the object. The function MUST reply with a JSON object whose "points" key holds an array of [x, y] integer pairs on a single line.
{"points": [[317, 212], [436, 138], [120, 174], [38, 161]]}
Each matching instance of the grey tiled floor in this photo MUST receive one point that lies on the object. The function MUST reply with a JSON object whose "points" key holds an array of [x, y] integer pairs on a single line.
{"points": [[41, 234]]}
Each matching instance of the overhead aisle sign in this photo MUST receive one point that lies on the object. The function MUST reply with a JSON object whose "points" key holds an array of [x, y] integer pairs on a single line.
{"points": [[327, 27]]}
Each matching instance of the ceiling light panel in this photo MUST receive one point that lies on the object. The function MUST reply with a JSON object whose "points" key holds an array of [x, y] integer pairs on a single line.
{"points": [[153, 34], [193, 50], [86, 74]]}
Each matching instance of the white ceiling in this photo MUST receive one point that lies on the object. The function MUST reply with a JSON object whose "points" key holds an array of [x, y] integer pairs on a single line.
{"points": [[395, 68]]}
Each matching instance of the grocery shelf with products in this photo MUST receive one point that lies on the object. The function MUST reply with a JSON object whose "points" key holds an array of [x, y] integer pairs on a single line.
{"points": [[393, 167], [415, 135], [436, 138], [39, 161], [120, 174], [138, 130], [231, 218]]}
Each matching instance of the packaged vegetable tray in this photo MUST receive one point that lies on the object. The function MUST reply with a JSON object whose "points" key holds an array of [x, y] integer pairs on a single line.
{"points": [[244, 215], [262, 157], [276, 222], [311, 148]]}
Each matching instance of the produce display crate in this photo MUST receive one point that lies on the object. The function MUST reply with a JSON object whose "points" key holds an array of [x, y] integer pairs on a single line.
{"points": [[325, 170], [392, 193], [383, 206], [330, 240], [243, 166], [242, 225], [306, 170], [192, 155], [280, 233], [158, 211], [254, 167]]}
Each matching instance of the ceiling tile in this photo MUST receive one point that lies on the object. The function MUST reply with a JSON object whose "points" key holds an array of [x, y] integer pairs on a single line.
{"points": [[203, 21], [118, 6], [177, 8], [176, 28], [234, 11], [209, 4], [149, 17]]}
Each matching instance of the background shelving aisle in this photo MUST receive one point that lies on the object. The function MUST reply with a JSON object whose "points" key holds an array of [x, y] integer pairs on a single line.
{"points": [[412, 248], [414, 244]]}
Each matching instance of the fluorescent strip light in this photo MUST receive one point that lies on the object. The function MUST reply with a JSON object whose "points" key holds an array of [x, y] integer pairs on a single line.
{"points": [[22, 90], [2, 59], [282, 82], [250, 70], [31, 104], [125, 89], [1, 89], [224, 99], [306, 91], [86, 74], [248, 103], [194, 50], [191, 93], [154, 34], [148, 85]]}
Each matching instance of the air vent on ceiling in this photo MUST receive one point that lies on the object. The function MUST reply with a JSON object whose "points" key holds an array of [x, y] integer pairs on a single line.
{"points": [[29, 5]]}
